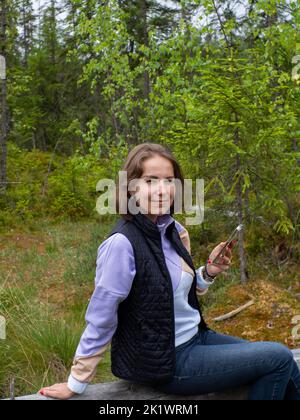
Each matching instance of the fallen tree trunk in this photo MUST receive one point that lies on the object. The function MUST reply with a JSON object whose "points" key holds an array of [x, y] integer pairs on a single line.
{"points": [[125, 390]]}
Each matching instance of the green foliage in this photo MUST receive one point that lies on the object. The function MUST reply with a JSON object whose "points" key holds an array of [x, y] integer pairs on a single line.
{"points": [[220, 92], [45, 184]]}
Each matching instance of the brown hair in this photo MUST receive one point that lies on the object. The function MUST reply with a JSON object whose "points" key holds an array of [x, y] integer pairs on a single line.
{"points": [[134, 168]]}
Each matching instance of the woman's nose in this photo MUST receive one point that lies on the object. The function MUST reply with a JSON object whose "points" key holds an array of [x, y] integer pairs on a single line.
{"points": [[163, 188]]}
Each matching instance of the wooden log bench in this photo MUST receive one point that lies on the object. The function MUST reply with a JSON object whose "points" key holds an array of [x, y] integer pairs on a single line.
{"points": [[124, 390]]}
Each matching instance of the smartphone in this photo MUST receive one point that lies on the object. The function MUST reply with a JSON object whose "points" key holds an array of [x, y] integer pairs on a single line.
{"points": [[229, 240]]}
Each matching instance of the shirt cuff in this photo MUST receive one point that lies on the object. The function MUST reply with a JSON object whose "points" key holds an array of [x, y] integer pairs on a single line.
{"points": [[76, 386], [201, 283]]}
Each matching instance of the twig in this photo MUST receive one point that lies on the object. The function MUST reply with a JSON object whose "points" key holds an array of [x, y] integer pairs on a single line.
{"points": [[235, 312]]}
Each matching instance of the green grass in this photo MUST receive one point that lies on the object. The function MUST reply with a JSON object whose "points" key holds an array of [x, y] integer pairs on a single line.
{"points": [[46, 279], [38, 347]]}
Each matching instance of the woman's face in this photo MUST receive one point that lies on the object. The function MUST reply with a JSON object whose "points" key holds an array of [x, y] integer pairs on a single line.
{"points": [[156, 188]]}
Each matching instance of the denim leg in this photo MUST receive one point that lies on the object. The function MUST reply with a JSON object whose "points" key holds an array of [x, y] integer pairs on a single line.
{"points": [[212, 338], [212, 367], [293, 388]]}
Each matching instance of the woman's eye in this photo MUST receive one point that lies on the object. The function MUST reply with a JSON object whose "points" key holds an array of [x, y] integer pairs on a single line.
{"points": [[155, 181], [152, 181]]}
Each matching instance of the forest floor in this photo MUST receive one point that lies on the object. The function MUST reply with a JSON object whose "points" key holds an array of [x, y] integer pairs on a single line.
{"points": [[47, 277]]}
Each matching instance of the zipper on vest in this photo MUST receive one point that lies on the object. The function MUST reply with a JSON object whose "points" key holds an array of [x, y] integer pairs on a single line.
{"points": [[172, 303]]}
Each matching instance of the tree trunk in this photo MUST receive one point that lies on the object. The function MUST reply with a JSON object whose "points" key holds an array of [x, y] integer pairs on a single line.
{"points": [[25, 34], [4, 110], [242, 254], [144, 18], [240, 208]]}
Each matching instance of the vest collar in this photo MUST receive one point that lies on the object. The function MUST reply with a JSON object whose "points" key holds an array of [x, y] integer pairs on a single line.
{"points": [[164, 222]]}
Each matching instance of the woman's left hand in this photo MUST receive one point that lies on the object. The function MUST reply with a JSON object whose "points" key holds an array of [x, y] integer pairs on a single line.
{"points": [[223, 262]]}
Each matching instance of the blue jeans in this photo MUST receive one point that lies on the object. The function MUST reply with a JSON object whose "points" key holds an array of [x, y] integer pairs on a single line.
{"points": [[211, 362]]}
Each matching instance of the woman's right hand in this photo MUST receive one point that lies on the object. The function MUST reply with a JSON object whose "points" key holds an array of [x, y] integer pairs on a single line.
{"points": [[59, 391]]}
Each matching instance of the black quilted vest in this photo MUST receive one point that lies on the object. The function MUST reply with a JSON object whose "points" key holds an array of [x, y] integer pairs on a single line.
{"points": [[143, 346]]}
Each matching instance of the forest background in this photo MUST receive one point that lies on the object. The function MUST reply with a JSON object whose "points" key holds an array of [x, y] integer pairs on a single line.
{"points": [[216, 81]]}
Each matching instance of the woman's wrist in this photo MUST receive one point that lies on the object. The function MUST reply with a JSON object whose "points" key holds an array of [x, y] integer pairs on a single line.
{"points": [[202, 284], [206, 274], [76, 386]]}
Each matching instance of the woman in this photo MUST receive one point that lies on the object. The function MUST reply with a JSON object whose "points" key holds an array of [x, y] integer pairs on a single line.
{"points": [[145, 304]]}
